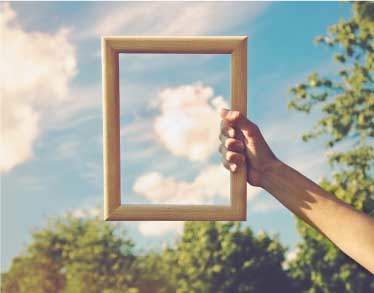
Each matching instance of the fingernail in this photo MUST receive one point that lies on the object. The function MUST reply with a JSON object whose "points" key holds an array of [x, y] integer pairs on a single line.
{"points": [[233, 167], [231, 132]]}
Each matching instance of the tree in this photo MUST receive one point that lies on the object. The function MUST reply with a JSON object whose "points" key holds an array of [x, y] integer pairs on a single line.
{"points": [[28, 274], [346, 101], [74, 255], [89, 255], [224, 257]]}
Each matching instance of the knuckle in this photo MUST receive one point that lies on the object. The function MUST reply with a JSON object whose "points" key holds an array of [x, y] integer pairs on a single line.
{"points": [[229, 143], [229, 155]]}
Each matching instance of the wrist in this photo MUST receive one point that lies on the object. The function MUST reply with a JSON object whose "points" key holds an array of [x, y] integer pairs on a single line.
{"points": [[269, 171]]}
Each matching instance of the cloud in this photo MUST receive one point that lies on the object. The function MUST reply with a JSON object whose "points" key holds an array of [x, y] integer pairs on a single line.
{"points": [[86, 213], [139, 131], [291, 255], [79, 106], [213, 181], [173, 18], [188, 124], [158, 228], [35, 71], [182, 120], [210, 184]]}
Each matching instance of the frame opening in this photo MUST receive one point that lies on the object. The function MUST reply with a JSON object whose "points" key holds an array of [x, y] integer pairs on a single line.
{"points": [[170, 128]]}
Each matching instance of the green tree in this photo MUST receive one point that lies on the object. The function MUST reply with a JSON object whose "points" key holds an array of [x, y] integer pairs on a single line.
{"points": [[153, 273], [89, 255], [74, 255], [225, 257], [29, 274], [346, 101]]}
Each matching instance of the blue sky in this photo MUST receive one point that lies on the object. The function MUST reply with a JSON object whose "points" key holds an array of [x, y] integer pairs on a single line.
{"points": [[51, 108]]}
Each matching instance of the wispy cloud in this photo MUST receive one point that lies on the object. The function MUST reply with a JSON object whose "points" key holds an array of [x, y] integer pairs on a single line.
{"points": [[166, 18], [81, 105], [265, 205], [138, 131]]}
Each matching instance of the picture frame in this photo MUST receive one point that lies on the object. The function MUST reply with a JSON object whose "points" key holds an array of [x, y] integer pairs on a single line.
{"points": [[112, 46]]}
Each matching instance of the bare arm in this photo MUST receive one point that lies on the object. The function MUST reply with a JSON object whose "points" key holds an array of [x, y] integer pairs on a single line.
{"points": [[352, 231]]}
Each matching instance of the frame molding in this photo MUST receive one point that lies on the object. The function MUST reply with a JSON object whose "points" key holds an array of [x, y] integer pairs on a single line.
{"points": [[111, 48]]}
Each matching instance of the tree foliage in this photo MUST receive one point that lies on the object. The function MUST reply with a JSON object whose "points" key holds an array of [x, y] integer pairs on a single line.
{"points": [[225, 257], [73, 255], [346, 101]]}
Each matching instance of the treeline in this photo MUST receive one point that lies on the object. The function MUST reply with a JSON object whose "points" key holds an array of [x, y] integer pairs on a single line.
{"points": [[89, 255]]}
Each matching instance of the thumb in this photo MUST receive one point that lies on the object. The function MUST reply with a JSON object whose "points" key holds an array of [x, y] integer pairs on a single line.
{"points": [[234, 118]]}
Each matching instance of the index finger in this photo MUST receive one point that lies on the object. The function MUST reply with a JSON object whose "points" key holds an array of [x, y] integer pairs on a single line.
{"points": [[233, 117]]}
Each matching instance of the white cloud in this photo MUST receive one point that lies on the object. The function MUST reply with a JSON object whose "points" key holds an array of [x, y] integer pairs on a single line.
{"points": [[86, 213], [206, 182], [158, 228], [212, 182], [188, 124], [35, 72], [173, 18], [290, 256]]}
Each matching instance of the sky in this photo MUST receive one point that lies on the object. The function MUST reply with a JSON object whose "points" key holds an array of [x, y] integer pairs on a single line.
{"points": [[51, 111]]}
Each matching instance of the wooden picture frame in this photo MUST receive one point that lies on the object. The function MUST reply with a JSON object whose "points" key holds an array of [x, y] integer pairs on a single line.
{"points": [[111, 48]]}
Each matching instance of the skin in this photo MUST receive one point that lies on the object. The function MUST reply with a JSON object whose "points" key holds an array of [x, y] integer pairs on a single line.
{"points": [[350, 230]]}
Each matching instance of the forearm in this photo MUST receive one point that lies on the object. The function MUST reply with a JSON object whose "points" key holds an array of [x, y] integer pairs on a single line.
{"points": [[350, 230]]}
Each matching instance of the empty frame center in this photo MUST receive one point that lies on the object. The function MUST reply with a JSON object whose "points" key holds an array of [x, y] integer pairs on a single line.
{"points": [[169, 128]]}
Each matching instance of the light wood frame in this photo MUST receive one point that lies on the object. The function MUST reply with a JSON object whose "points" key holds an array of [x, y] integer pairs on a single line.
{"points": [[111, 48]]}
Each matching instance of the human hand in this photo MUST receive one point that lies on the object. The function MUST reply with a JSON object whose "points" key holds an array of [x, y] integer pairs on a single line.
{"points": [[242, 142]]}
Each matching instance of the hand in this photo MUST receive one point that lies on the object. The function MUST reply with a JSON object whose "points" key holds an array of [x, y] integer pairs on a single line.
{"points": [[242, 142]]}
